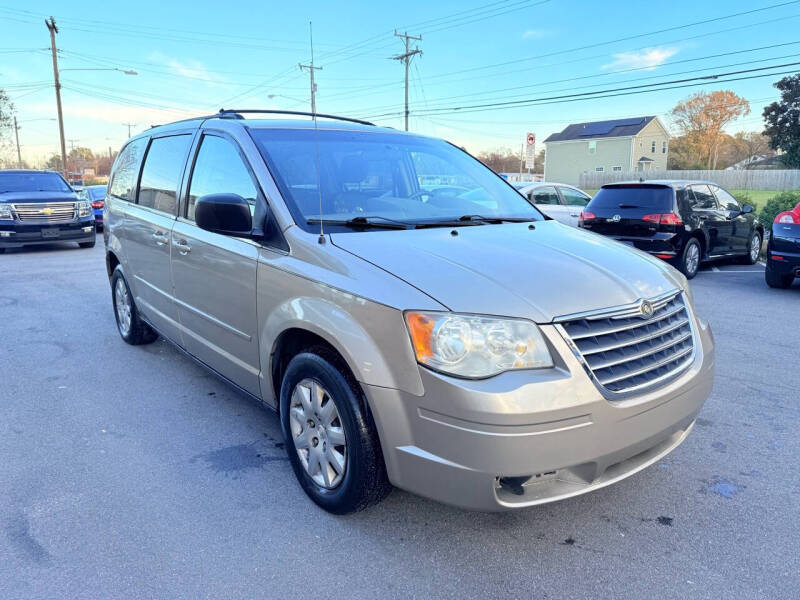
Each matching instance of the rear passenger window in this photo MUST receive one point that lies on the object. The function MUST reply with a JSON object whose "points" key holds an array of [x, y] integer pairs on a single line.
{"points": [[703, 198], [126, 170], [162, 171], [544, 195], [219, 169]]}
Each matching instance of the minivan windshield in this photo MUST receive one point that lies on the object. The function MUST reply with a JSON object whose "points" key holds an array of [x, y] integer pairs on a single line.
{"points": [[384, 178], [33, 181], [633, 196]]}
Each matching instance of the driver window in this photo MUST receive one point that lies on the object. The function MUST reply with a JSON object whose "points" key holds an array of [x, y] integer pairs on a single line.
{"points": [[703, 198], [219, 169], [574, 197], [726, 201], [544, 195]]}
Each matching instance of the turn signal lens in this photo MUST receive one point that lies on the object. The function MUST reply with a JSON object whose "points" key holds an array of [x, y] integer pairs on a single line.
{"points": [[475, 346]]}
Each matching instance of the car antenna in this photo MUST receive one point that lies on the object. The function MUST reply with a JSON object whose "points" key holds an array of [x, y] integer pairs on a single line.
{"points": [[321, 238]]}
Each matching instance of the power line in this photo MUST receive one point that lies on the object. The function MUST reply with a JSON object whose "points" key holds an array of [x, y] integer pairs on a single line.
{"points": [[607, 93]]}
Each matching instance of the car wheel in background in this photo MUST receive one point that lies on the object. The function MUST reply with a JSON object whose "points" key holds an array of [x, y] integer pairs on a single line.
{"points": [[330, 436], [130, 326], [776, 280], [88, 244], [753, 249], [690, 258]]}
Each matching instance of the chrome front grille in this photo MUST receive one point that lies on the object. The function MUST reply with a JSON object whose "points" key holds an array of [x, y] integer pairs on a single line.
{"points": [[45, 212], [636, 346]]}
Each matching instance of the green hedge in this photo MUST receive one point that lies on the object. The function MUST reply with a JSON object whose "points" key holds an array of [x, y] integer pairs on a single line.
{"points": [[779, 203]]}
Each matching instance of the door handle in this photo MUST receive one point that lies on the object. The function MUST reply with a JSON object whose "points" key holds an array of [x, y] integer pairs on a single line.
{"points": [[182, 247], [574, 215], [160, 238]]}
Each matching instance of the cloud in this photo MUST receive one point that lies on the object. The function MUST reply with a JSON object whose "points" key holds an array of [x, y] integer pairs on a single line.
{"points": [[535, 34], [190, 69], [648, 58]]}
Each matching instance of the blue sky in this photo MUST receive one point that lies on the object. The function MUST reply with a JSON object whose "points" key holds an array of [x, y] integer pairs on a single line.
{"points": [[195, 57]]}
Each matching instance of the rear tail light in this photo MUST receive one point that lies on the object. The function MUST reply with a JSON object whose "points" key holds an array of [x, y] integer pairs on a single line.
{"points": [[788, 217], [97, 204], [586, 216], [663, 219]]}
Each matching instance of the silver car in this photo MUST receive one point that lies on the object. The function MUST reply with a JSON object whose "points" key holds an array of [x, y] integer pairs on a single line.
{"points": [[558, 201], [453, 344]]}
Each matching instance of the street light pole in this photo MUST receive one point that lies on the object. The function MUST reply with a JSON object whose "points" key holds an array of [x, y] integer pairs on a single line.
{"points": [[16, 135], [51, 26]]}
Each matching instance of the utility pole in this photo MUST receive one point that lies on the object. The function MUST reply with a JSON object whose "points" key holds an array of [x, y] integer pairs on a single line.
{"points": [[311, 68], [51, 26], [406, 58], [16, 135], [129, 125]]}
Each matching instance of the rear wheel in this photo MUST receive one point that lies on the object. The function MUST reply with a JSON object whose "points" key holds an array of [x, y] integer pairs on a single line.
{"points": [[330, 436], [131, 327], [777, 280], [753, 249], [690, 258]]}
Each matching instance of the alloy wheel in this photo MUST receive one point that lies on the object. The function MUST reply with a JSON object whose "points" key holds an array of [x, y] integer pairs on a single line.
{"points": [[122, 304], [318, 433], [692, 258], [755, 247]]}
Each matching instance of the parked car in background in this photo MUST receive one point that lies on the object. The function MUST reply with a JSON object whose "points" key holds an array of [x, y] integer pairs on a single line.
{"points": [[559, 201], [783, 249], [39, 207], [96, 195], [683, 222], [395, 329]]}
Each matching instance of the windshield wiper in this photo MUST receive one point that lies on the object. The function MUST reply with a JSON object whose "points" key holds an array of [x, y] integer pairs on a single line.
{"points": [[376, 222], [473, 220]]}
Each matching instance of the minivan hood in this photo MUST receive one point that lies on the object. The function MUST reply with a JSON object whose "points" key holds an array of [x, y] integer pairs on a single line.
{"points": [[510, 270], [38, 197]]}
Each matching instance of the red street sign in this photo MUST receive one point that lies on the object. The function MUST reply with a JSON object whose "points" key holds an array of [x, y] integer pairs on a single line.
{"points": [[531, 139]]}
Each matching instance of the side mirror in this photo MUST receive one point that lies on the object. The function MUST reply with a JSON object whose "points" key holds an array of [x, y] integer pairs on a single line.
{"points": [[747, 208], [227, 214]]}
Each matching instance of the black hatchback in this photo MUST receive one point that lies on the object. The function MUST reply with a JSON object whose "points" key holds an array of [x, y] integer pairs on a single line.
{"points": [[683, 222]]}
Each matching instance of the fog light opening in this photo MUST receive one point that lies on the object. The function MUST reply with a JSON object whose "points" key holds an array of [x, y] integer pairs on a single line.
{"points": [[515, 485]]}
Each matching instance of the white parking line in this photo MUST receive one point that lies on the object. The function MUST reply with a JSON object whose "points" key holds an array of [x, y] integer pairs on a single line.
{"points": [[715, 270]]}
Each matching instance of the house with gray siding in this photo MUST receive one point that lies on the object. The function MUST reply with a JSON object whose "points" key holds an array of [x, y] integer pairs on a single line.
{"points": [[635, 144]]}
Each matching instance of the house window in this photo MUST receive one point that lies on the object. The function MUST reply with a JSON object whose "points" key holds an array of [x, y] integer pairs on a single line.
{"points": [[616, 168], [653, 147], [663, 147], [599, 169], [592, 147]]}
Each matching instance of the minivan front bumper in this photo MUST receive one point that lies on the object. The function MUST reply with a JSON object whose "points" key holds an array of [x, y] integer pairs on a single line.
{"points": [[530, 437]]}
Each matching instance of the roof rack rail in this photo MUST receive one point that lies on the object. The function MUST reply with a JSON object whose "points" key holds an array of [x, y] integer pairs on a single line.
{"points": [[227, 113]]}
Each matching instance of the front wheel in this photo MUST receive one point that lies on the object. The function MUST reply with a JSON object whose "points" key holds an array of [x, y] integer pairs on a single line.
{"points": [[330, 436], [87, 244], [690, 258]]}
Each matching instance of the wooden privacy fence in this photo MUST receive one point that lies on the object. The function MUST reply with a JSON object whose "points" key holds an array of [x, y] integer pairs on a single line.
{"points": [[788, 179]]}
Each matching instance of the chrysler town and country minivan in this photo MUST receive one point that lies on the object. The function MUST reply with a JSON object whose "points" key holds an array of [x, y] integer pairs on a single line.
{"points": [[457, 345]]}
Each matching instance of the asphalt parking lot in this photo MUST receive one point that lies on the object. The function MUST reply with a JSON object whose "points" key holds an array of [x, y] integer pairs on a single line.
{"points": [[130, 472]]}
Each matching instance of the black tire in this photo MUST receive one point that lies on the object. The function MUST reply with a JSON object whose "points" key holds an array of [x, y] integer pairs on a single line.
{"points": [[775, 280], [364, 482], [88, 244], [139, 332], [686, 265], [2, 250], [748, 258]]}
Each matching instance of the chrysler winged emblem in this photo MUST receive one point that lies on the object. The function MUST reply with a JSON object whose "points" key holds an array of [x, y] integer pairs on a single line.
{"points": [[647, 309]]}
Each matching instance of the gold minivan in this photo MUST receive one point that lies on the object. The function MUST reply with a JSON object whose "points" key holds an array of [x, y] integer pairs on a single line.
{"points": [[413, 319]]}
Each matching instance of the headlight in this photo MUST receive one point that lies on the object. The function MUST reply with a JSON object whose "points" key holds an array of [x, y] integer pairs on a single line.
{"points": [[5, 212], [476, 347], [84, 208]]}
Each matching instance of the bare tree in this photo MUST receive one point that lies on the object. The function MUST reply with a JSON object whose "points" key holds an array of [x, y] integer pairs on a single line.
{"points": [[701, 118]]}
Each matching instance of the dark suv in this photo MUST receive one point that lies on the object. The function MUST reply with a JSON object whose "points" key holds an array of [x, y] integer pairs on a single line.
{"points": [[683, 222], [38, 207]]}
